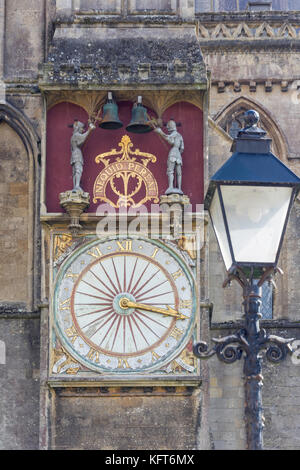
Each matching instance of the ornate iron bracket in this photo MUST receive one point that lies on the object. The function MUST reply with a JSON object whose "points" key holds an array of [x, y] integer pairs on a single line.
{"points": [[249, 342], [276, 347]]}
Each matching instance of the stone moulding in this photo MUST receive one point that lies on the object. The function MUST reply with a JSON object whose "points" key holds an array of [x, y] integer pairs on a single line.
{"points": [[255, 30], [285, 85], [86, 76]]}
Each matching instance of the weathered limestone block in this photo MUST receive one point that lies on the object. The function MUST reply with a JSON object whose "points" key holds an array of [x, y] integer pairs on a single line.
{"points": [[14, 208]]}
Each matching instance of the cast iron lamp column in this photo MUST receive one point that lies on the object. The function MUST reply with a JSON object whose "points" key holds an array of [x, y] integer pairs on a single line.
{"points": [[249, 200]]}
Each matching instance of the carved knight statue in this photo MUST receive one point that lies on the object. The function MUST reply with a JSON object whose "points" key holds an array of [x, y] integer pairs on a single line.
{"points": [[174, 163], [77, 140]]}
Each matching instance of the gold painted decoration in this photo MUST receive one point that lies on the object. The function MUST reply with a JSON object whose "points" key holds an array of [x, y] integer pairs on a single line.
{"points": [[184, 363], [61, 243], [63, 362], [188, 244], [125, 180]]}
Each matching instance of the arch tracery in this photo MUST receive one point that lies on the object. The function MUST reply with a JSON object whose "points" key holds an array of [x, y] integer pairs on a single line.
{"points": [[24, 206], [230, 120]]}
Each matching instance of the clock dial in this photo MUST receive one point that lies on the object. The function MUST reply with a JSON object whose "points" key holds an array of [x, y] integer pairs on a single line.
{"points": [[115, 328], [124, 306]]}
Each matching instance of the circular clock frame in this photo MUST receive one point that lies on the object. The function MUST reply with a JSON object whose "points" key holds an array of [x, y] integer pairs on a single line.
{"points": [[155, 336]]}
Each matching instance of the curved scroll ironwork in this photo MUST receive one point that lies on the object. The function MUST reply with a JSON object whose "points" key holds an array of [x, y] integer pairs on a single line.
{"points": [[223, 348], [226, 349], [249, 342], [278, 348]]}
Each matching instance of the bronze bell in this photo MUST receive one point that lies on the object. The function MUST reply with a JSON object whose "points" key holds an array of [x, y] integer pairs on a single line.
{"points": [[110, 118], [139, 123]]}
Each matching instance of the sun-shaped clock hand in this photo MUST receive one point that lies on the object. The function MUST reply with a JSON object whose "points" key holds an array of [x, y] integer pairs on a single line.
{"points": [[126, 303]]}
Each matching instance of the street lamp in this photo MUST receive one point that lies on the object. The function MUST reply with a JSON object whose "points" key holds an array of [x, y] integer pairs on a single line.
{"points": [[249, 200]]}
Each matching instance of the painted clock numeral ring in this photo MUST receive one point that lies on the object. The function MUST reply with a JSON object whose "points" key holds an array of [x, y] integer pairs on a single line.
{"points": [[124, 306]]}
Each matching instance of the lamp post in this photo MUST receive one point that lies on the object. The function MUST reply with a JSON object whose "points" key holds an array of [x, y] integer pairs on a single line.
{"points": [[249, 200]]}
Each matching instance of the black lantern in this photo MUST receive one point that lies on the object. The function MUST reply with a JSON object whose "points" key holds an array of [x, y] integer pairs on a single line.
{"points": [[249, 200]]}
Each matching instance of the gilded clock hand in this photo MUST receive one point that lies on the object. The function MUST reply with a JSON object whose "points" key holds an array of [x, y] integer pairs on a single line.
{"points": [[126, 303]]}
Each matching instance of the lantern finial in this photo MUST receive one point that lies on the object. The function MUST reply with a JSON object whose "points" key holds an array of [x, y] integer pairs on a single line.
{"points": [[251, 118]]}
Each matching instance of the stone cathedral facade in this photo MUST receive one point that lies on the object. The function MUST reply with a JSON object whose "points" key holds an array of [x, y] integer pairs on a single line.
{"points": [[104, 289]]}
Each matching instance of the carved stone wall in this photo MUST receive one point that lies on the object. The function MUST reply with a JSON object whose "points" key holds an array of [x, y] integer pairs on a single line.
{"points": [[254, 62], [252, 69], [116, 419], [14, 175], [19, 381], [24, 47], [256, 74]]}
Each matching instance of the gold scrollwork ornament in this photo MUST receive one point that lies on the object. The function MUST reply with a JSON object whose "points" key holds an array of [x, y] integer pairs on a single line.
{"points": [[124, 181]]}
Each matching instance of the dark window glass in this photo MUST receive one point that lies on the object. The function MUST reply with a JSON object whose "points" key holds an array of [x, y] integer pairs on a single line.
{"points": [[266, 301], [204, 5], [280, 5], [241, 5], [227, 5], [160, 5], [294, 4]]}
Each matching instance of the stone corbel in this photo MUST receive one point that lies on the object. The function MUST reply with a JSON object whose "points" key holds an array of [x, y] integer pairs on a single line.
{"points": [[221, 87], [237, 87], [268, 86], [74, 203], [284, 85]]}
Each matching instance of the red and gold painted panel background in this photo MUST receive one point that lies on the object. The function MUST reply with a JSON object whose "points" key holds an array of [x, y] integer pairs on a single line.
{"points": [[59, 171]]}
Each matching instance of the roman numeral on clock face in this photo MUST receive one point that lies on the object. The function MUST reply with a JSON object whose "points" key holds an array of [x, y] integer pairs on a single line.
{"points": [[176, 333], [177, 274], [123, 363], [93, 355], [72, 333], [65, 304], [125, 245], [185, 303], [95, 252]]}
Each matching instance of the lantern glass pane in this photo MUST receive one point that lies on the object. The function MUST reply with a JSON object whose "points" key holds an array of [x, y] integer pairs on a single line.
{"points": [[255, 217], [220, 231]]}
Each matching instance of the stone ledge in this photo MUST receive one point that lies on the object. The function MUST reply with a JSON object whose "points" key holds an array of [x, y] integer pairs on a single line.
{"points": [[253, 16], [118, 381], [86, 75], [93, 18], [268, 324], [129, 391], [16, 310]]}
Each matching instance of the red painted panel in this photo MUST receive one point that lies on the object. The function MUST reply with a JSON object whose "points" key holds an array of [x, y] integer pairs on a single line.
{"points": [[59, 171], [191, 129]]}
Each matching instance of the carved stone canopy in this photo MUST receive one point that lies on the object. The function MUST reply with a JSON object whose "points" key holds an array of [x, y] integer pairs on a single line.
{"points": [[98, 54]]}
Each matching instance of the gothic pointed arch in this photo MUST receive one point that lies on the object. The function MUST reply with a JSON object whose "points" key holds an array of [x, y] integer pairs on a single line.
{"points": [[19, 175], [23, 127], [230, 119]]}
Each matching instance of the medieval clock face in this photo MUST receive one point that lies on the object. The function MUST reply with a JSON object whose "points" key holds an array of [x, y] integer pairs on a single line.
{"points": [[124, 305]]}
